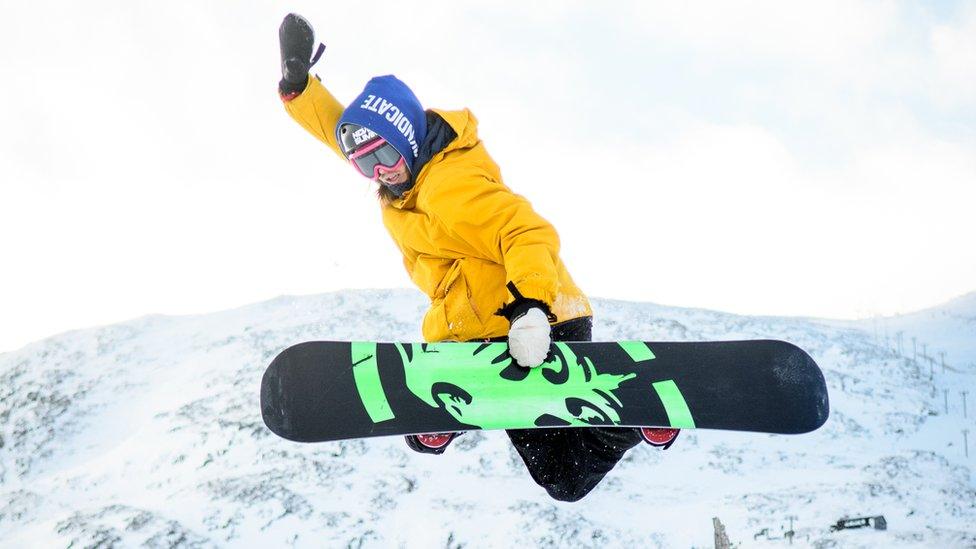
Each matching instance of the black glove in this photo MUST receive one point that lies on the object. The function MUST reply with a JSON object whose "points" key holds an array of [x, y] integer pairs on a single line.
{"points": [[297, 40]]}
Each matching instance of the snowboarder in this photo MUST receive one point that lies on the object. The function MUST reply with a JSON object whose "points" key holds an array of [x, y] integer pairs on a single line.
{"points": [[488, 262]]}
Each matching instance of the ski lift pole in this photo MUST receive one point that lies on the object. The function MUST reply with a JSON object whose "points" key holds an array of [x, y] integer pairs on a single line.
{"points": [[721, 538]]}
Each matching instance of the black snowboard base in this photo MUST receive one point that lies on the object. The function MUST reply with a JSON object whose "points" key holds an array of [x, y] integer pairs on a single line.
{"points": [[330, 390]]}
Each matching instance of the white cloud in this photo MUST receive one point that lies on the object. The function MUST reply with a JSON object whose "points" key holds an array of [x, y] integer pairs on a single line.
{"points": [[954, 49], [821, 32], [725, 216]]}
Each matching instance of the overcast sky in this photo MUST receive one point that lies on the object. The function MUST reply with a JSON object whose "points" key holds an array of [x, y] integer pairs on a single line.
{"points": [[753, 157]]}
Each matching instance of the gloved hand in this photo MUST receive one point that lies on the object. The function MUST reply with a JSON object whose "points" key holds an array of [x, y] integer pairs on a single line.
{"points": [[529, 338], [296, 39]]}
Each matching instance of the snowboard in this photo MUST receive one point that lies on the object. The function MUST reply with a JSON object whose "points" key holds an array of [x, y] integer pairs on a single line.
{"points": [[330, 390]]}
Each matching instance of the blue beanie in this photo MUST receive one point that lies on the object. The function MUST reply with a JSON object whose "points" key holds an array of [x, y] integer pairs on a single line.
{"points": [[389, 108]]}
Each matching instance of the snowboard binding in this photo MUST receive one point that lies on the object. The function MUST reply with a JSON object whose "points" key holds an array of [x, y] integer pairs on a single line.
{"points": [[659, 437], [433, 443]]}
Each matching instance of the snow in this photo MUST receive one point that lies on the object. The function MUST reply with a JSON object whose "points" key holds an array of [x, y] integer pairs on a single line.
{"points": [[148, 432]]}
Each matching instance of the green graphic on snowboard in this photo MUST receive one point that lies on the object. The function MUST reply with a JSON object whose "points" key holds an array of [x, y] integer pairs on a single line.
{"points": [[480, 385], [366, 373]]}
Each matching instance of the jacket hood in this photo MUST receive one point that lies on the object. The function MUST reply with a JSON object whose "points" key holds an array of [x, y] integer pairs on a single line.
{"points": [[448, 131], [464, 124]]}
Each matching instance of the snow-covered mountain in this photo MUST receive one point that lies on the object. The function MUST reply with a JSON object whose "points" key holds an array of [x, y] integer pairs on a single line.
{"points": [[148, 432]]}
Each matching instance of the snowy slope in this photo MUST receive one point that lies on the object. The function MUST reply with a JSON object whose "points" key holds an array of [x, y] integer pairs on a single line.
{"points": [[149, 432], [949, 329]]}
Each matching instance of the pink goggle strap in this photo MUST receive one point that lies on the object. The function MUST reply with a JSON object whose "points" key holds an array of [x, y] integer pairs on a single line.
{"points": [[368, 149]]}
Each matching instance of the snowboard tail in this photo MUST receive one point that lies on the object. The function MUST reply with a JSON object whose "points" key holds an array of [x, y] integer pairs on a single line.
{"points": [[329, 390]]}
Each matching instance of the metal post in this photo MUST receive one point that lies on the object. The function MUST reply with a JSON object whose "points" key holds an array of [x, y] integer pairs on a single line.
{"points": [[945, 394], [965, 440], [942, 354], [791, 532], [964, 404], [721, 538]]}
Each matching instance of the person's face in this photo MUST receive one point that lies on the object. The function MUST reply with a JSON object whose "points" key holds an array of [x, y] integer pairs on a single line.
{"points": [[381, 162], [393, 176]]}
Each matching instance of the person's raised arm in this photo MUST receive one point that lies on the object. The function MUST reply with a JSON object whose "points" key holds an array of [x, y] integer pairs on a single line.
{"points": [[305, 98]]}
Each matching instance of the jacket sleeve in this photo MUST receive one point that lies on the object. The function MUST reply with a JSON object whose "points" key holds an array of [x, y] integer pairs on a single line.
{"points": [[316, 110], [502, 227]]}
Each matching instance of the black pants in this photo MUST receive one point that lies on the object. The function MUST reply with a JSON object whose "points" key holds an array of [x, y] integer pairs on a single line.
{"points": [[569, 462]]}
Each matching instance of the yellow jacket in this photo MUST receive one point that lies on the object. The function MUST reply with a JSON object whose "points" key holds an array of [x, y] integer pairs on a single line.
{"points": [[463, 234]]}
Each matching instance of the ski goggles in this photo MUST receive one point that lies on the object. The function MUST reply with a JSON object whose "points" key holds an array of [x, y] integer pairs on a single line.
{"points": [[376, 155]]}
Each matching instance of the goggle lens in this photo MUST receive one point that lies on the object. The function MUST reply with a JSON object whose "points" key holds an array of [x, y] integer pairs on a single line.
{"points": [[376, 155]]}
